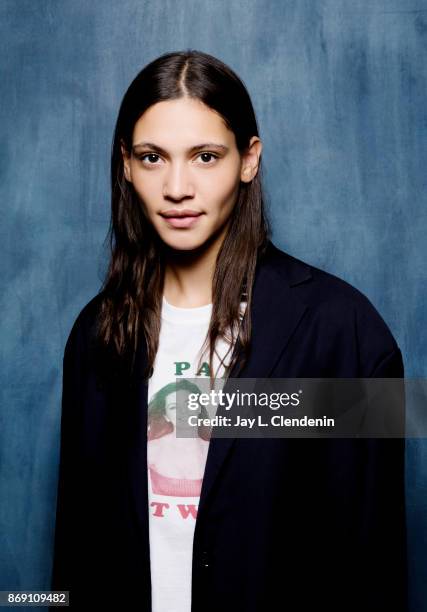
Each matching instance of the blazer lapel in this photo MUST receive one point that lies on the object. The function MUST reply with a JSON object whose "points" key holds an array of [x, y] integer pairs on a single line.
{"points": [[276, 314]]}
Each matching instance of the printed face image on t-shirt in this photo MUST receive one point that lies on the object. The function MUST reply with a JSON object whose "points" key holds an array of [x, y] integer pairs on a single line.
{"points": [[175, 464]]}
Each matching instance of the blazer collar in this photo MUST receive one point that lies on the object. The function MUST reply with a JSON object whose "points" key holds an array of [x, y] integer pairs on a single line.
{"points": [[275, 310], [276, 313]]}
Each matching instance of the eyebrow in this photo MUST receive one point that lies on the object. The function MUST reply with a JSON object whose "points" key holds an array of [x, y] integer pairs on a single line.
{"points": [[204, 145]]}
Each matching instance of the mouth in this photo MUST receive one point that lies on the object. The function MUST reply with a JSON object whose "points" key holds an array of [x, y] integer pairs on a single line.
{"points": [[181, 218]]}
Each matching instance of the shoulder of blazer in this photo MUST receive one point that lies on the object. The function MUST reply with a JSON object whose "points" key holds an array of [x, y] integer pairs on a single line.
{"points": [[318, 284], [83, 325], [79, 343], [336, 303], [96, 360]]}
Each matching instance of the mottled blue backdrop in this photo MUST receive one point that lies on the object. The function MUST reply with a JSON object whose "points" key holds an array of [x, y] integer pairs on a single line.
{"points": [[339, 87]]}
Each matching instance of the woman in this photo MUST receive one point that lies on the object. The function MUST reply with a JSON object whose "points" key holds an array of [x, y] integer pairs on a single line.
{"points": [[195, 288], [176, 463]]}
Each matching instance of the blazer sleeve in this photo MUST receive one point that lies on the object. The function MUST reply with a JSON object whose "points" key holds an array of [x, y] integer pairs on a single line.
{"points": [[383, 532], [69, 505]]}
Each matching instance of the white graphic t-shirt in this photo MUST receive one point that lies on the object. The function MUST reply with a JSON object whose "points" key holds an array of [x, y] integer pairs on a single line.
{"points": [[176, 465]]}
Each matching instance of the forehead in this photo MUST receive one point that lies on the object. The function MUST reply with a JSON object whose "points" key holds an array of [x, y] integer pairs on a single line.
{"points": [[170, 400], [181, 122]]}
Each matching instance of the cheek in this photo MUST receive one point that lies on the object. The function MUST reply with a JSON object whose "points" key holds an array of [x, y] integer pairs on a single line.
{"points": [[147, 191], [146, 185], [221, 190]]}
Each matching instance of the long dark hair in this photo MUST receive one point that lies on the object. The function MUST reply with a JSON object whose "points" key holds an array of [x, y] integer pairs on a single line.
{"points": [[132, 290]]}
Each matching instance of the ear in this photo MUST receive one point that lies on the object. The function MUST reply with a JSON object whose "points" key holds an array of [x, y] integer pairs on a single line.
{"points": [[251, 159], [126, 162]]}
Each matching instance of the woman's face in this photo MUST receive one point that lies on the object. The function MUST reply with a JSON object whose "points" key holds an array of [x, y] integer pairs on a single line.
{"points": [[186, 169]]}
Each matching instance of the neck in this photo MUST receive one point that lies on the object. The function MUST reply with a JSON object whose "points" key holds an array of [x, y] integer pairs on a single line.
{"points": [[189, 274]]}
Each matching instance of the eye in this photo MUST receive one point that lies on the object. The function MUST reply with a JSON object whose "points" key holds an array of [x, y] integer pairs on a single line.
{"points": [[208, 154], [150, 155]]}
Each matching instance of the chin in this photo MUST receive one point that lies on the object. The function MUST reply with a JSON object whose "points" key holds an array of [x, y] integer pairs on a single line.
{"points": [[184, 241]]}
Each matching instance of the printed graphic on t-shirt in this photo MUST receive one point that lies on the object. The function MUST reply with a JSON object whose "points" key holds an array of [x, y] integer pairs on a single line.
{"points": [[175, 464]]}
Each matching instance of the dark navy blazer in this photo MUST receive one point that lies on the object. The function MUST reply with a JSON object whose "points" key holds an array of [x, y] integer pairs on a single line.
{"points": [[282, 524]]}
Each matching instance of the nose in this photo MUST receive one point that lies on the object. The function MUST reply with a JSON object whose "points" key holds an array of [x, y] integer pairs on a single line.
{"points": [[178, 183]]}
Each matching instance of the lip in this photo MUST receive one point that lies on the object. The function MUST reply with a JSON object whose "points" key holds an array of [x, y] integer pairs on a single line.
{"points": [[181, 218], [184, 212]]}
